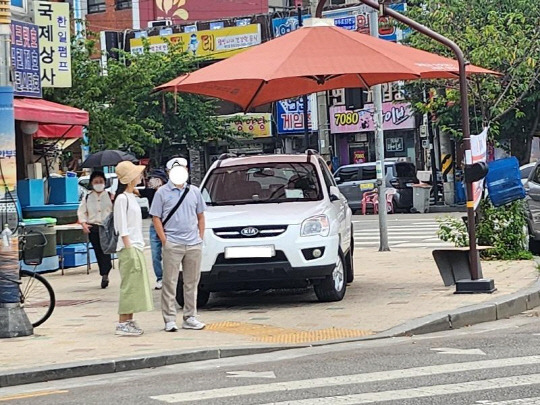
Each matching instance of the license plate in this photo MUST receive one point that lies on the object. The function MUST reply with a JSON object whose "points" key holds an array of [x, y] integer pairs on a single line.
{"points": [[241, 252], [367, 186]]}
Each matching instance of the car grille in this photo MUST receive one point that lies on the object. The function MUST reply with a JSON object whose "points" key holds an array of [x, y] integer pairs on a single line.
{"points": [[263, 231]]}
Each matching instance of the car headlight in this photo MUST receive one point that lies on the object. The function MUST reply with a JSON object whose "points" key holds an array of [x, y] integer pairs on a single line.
{"points": [[318, 225]]}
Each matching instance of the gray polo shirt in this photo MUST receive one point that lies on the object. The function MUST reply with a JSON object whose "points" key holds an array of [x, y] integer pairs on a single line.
{"points": [[183, 227]]}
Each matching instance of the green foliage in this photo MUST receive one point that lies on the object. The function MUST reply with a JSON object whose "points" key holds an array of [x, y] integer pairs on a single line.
{"points": [[504, 228], [500, 35], [124, 111]]}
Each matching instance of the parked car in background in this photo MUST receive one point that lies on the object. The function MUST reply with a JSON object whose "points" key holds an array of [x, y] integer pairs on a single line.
{"points": [[275, 221], [525, 171], [111, 185], [356, 179], [532, 190]]}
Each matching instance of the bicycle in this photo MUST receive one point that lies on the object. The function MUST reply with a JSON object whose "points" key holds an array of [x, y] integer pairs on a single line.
{"points": [[36, 295]]}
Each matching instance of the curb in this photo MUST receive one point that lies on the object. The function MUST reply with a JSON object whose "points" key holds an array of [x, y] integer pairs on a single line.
{"points": [[499, 308]]}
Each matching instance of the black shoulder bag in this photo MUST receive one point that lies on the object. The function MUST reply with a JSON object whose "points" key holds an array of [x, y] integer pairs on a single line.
{"points": [[178, 204]]}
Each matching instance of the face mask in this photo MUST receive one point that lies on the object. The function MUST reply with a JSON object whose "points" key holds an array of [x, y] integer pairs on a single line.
{"points": [[178, 175], [99, 187]]}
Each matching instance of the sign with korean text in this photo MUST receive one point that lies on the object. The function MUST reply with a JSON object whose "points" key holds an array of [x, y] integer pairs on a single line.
{"points": [[214, 44], [290, 115], [258, 125], [54, 43], [7, 142], [478, 153], [25, 59], [282, 26], [395, 116]]}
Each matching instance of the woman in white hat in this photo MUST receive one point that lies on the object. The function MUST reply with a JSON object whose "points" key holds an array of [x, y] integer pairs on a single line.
{"points": [[135, 290]]}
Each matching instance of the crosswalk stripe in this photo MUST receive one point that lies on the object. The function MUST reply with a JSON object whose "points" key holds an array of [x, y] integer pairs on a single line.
{"points": [[347, 379], [420, 392], [521, 401], [372, 243]]}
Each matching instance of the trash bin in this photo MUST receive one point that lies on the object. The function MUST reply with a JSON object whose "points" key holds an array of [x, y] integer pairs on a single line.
{"points": [[421, 193]]}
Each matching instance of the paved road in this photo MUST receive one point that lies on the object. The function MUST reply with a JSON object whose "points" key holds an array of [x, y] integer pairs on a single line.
{"points": [[404, 231], [489, 364]]}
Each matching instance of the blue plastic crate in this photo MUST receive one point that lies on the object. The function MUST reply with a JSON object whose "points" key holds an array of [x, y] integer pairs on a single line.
{"points": [[63, 190], [75, 254], [503, 181], [31, 192]]}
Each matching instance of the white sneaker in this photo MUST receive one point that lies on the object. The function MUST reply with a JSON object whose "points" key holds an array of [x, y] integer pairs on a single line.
{"points": [[129, 328], [159, 285], [193, 323], [171, 327]]}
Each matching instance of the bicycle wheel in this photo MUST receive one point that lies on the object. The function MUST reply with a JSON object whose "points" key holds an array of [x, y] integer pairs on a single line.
{"points": [[37, 297]]}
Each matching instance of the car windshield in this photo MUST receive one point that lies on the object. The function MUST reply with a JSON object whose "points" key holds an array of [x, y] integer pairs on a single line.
{"points": [[262, 183], [526, 171]]}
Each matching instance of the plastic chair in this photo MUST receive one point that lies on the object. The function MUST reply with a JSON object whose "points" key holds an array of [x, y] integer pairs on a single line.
{"points": [[390, 193], [370, 199]]}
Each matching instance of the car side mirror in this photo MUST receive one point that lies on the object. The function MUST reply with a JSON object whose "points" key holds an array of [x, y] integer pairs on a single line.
{"points": [[337, 179], [334, 193]]}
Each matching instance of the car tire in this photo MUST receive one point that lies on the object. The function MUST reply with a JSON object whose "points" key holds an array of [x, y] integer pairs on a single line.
{"points": [[203, 296], [333, 287], [349, 259], [534, 246]]}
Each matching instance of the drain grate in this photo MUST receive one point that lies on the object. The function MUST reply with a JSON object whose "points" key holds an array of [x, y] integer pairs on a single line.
{"points": [[272, 334]]}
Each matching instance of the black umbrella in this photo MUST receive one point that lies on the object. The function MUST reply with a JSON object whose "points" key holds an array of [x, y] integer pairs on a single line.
{"points": [[107, 158]]}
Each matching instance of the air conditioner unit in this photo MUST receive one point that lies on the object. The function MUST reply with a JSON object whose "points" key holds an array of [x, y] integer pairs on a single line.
{"points": [[159, 23]]}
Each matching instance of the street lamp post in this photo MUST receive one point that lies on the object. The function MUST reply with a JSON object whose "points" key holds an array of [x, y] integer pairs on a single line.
{"points": [[476, 284]]}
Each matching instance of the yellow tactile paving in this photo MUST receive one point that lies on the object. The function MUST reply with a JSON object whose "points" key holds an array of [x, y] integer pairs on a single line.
{"points": [[272, 334]]}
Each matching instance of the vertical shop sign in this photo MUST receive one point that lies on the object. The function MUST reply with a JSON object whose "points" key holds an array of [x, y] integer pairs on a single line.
{"points": [[359, 156], [25, 59], [290, 115], [478, 153], [54, 43], [8, 177]]}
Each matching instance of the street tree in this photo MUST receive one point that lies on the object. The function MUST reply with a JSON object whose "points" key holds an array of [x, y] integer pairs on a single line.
{"points": [[124, 111], [500, 35]]}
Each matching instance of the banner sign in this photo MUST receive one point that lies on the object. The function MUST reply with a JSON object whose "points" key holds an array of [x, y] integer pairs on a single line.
{"points": [[290, 115], [478, 153], [7, 142], [282, 26], [54, 43], [214, 44], [395, 116], [25, 59], [259, 125]]}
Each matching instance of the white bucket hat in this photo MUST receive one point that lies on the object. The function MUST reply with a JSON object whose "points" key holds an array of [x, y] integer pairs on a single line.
{"points": [[178, 161]]}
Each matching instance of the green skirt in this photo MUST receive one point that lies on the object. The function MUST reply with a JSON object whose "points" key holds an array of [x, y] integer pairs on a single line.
{"points": [[135, 290]]}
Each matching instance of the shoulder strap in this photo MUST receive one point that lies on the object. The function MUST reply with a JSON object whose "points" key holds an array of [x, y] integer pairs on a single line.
{"points": [[180, 201]]}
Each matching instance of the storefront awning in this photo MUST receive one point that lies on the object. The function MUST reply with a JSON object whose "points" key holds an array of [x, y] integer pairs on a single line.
{"points": [[58, 131], [47, 112]]}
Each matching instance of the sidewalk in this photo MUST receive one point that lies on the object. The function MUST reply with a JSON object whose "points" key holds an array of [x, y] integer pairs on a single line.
{"points": [[389, 289]]}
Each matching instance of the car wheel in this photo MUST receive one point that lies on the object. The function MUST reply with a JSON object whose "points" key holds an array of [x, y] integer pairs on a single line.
{"points": [[333, 287], [203, 296], [534, 246], [349, 259]]}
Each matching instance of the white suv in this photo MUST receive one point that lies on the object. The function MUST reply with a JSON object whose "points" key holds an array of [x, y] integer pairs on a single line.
{"points": [[275, 221]]}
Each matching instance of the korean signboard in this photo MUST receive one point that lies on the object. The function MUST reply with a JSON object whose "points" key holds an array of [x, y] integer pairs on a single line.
{"points": [[478, 153], [395, 116], [54, 43], [7, 142], [215, 44], [282, 26], [25, 59], [259, 125], [290, 115]]}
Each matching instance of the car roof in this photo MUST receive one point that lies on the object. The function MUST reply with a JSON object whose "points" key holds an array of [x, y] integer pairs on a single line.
{"points": [[258, 159]]}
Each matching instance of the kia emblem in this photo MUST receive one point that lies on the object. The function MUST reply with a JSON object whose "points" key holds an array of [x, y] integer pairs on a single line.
{"points": [[249, 231]]}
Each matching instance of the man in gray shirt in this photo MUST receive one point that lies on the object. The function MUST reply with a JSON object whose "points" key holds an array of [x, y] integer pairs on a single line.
{"points": [[182, 238]]}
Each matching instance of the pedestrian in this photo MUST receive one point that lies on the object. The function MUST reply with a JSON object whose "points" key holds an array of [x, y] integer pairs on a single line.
{"points": [[156, 179], [178, 216], [93, 209], [135, 291]]}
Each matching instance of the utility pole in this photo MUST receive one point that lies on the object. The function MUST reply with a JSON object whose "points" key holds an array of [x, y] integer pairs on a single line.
{"points": [[304, 97], [322, 107], [13, 319], [379, 145]]}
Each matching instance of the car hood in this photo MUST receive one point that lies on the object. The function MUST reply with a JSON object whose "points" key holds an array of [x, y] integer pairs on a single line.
{"points": [[289, 213]]}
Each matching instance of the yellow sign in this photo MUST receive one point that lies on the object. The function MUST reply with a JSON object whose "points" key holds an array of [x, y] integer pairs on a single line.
{"points": [[214, 44], [259, 125], [54, 43]]}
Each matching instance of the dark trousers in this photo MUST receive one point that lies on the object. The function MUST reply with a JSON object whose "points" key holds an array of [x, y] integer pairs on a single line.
{"points": [[104, 260]]}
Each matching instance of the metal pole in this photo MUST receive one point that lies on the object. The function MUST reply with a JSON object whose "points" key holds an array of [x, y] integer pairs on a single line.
{"points": [[473, 251], [304, 97], [379, 146], [433, 163]]}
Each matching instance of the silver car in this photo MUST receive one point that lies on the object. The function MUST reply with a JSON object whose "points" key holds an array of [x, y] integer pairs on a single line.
{"points": [[532, 188]]}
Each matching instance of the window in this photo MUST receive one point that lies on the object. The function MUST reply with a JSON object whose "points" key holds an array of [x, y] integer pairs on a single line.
{"points": [[536, 176], [122, 4], [369, 173], [346, 174], [328, 178], [262, 183], [96, 6]]}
